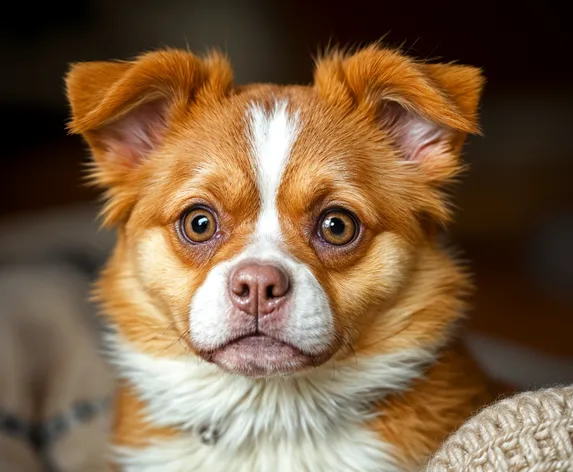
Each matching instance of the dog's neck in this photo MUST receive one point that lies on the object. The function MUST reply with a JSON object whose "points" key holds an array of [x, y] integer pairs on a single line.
{"points": [[192, 395]]}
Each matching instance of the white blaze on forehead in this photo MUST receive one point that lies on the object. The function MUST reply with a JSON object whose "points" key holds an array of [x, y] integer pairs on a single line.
{"points": [[272, 137]]}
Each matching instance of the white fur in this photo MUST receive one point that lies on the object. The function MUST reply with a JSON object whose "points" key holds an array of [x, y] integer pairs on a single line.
{"points": [[313, 421], [348, 449], [272, 137], [310, 322]]}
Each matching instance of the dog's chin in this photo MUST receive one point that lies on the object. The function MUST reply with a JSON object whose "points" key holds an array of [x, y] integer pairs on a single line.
{"points": [[259, 356]]}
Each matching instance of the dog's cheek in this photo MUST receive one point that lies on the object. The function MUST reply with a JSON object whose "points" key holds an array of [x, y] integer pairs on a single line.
{"points": [[372, 282], [167, 280]]}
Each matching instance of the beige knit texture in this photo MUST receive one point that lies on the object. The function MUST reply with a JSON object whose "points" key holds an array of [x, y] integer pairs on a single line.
{"points": [[531, 432]]}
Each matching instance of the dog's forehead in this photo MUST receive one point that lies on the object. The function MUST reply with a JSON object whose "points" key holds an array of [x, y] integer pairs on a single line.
{"points": [[279, 146], [292, 137]]}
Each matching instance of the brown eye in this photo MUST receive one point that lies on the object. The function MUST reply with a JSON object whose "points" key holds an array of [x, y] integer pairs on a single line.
{"points": [[198, 225], [338, 227]]}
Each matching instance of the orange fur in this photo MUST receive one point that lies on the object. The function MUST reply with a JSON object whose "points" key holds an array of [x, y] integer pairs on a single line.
{"points": [[433, 408], [131, 428], [406, 291]]}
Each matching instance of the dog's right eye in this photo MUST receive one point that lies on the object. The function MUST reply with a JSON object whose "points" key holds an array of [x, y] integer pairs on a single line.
{"points": [[198, 225]]}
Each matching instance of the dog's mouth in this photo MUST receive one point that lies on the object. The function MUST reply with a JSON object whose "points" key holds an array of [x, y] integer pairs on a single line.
{"points": [[259, 355]]}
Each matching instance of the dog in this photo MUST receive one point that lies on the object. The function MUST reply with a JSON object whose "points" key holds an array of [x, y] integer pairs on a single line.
{"points": [[279, 298]]}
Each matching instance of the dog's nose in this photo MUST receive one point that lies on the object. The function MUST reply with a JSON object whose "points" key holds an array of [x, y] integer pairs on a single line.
{"points": [[259, 289]]}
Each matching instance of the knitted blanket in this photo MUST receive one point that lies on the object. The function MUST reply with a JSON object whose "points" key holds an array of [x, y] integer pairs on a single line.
{"points": [[530, 432]]}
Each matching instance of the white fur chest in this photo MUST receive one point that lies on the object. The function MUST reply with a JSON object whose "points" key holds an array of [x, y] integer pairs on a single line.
{"points": [[314, 422]]}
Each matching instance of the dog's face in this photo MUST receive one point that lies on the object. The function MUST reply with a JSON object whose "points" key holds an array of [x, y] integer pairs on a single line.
{"points": [[268, 227]]}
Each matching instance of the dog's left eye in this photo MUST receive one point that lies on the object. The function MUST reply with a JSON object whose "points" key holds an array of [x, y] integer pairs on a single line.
{"points": [[198, 225], [338, 227]]}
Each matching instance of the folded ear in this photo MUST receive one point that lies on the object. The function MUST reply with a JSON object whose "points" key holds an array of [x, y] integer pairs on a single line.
{"points": [[123, 110], [426, 110]]}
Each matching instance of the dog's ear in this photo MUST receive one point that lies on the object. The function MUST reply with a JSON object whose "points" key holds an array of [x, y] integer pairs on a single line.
{"points": [[123, 110], [426, 110]]}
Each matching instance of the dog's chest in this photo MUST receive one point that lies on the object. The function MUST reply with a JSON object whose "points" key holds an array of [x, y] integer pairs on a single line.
{"points": [[316, 422], [347, 448]]}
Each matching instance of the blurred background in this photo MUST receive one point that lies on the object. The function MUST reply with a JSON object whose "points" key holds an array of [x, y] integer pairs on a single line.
{"points": [[515, 217]]}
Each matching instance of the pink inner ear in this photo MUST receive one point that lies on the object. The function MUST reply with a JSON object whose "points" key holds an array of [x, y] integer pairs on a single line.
{"points": [[418, 138], [131, 138]]}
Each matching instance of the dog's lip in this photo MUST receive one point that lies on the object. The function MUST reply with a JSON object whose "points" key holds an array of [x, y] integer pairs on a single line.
{"points": [[249, 335], [260, 338], [259, 355], [250, 338]]}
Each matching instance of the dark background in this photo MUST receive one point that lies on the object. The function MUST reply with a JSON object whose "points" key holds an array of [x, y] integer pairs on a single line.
{"points": [[515, 218]]}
